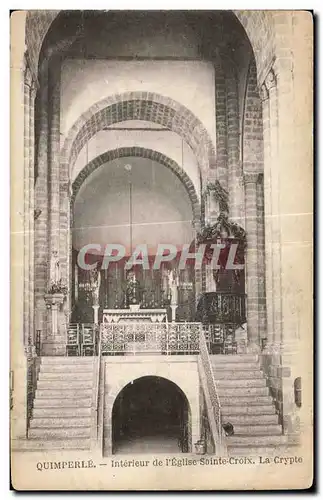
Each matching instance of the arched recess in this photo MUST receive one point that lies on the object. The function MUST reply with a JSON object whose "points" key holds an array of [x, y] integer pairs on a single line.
{"points": [[66, 248], [143, 153], [146, 106], [151, 407]]}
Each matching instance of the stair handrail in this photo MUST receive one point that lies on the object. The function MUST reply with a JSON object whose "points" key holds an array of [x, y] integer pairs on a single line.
{"points": [[95, 393], [205, 366]]}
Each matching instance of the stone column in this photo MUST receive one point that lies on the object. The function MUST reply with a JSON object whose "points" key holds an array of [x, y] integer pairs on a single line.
{"points": [[41, 204], [250, 182], [54, 158], [234, 168], [271, 84], [264, 96], [261, 258]]}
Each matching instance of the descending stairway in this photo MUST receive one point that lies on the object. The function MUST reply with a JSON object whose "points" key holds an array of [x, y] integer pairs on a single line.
{"points": [[61, 416], [246, 403]]}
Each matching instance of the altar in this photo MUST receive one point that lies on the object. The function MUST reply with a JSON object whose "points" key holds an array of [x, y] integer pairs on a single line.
{"points": [[134, 315], [135, 329]]}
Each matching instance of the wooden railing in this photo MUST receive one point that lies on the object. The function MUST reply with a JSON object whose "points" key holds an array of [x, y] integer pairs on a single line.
{"points": [[211, 396], [158, 338]]}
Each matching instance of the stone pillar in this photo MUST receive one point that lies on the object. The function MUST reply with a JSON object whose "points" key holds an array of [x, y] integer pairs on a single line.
{"points": [[54, 158], [221, 126], [250, 181], [234, 170], [41, 204], [264, 96], [261, 258], [271, 84]]}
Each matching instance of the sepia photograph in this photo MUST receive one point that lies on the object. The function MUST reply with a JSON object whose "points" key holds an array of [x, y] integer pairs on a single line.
{"points": [[161, 250]]}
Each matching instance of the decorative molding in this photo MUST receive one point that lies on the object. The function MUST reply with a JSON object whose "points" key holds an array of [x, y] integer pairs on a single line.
{"points": [[271, 80], [251, 177], [263, 93]]}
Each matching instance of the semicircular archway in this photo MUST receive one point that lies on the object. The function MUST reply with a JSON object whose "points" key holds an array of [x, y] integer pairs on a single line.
{"points": [[142, 153], [144, 106], [151, 415]]}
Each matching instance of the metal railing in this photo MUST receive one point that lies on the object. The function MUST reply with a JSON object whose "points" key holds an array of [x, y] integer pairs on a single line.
{"points": [[211, 395], [220, 338], [155, 338]]}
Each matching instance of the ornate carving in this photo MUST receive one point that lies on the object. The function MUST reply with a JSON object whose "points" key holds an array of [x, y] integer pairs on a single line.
{"points": [[220, 194], [263, 93], [37, 213], [250, 177], [271, 79], [222, 308]]}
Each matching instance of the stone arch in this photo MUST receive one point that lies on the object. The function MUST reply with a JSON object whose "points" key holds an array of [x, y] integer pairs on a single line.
{"points": [[143, 153], [118, 388], [171, 391], [258, 25], [146, 106]]}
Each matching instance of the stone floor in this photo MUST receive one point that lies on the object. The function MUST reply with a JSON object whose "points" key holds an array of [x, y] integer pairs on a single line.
{"points": [[148, 444]]}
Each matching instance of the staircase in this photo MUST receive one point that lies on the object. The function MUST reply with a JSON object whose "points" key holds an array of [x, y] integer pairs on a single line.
{"points": [[62, 409], [246, 403]]}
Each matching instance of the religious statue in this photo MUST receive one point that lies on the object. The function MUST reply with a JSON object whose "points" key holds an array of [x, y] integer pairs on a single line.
{"points": [[173, 285], [55, 274], [95, 279], [133, 291]]}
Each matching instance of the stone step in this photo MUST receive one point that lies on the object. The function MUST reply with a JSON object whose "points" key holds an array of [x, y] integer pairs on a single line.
{"points": [[252, 419], [248, 410], [235, 374], [57, 444], [54, 350], [234, 358], [62, 403], [261, 382], [258, 430], [236, 366], [67, 360], [49, 412], [63, 393], [255, 441], [59, 432], [241, 400], [250, 451], [64, 384], [60, 422], [75, 368], [242, 391], [65, 376]]}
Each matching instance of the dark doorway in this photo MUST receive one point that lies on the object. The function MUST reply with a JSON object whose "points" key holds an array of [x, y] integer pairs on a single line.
{"points": [[151, 415]]}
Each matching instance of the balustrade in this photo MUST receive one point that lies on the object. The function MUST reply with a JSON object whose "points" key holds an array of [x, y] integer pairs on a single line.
{"points": [[155, 338]]}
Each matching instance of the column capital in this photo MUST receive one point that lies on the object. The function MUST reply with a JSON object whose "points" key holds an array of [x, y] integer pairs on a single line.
{"points": [[263, 93], [260, 179], [251, 177], [271, 79]]}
